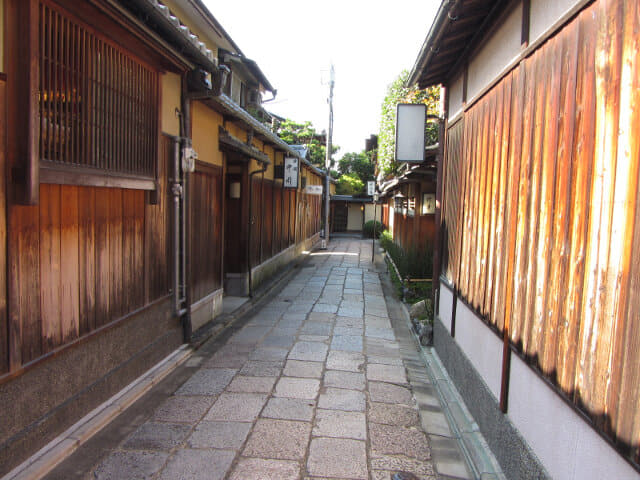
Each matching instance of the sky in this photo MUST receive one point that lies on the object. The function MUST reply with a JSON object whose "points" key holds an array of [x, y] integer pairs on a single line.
{"points": [[294, 43]]}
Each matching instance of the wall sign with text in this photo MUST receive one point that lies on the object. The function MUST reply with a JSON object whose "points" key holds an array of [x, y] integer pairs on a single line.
{"points": [[291, 170]]}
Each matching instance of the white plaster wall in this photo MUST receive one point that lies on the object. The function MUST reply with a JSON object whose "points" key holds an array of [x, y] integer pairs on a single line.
{"points": [[455, 95], [481, 346], [368, 212], [445, 306], [565, 444], [354, 217], [544, 13], [501, 49]]}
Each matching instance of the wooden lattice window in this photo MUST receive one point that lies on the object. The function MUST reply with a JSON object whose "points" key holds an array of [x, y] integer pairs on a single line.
{"points": [[98, 107]]}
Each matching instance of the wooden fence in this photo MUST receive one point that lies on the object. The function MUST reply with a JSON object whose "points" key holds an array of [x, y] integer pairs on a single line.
{"points": [[542, 208]]}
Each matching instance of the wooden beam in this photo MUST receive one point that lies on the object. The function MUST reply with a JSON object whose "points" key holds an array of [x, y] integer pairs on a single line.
{"points": [[23, 129]]}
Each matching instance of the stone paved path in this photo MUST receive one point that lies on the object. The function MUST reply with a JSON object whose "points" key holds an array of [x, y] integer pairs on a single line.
{"points": [[312, 387]]}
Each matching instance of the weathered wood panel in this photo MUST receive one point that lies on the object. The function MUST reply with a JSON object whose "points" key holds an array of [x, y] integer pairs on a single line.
{"points": [[278, 213], [205, 219], [541, 217], [256, 221], [79, 260], [451, 198], [267, 220], [4, 326]]}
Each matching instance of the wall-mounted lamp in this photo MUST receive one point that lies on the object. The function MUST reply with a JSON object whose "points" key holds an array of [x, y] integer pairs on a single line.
{"points": [[399, 199], [234, 190]]}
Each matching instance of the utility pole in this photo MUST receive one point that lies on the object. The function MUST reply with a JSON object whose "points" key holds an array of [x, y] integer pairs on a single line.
{"points": [[327, 162]]}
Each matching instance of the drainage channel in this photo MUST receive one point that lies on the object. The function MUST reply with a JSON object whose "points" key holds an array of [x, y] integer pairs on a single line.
{"points": [[458, 448]]}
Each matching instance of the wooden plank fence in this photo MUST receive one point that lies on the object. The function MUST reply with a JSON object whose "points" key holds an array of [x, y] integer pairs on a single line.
{"points": [[541, 211]]}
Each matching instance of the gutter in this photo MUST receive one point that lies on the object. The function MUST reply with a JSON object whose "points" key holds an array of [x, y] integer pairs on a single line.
{"points": [[177, 34], [430, 45]]}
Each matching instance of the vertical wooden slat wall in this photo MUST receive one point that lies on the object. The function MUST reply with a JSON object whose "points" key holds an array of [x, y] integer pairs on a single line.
{"points": [[541, 213], [98, 105], [82, 258], [4, 326], [206, 226]]}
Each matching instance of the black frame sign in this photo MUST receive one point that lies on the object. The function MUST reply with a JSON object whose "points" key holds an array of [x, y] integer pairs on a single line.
{"points": [[291, 172]]}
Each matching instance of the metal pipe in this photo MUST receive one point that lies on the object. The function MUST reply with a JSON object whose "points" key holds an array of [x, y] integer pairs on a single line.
{"points": [[185, 134], [251, 174], [176, 191]]}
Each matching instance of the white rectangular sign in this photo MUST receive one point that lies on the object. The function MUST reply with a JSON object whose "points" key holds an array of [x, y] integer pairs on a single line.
{"points": [[371, 187], [313, 189], [291, 172], [410, 132]]}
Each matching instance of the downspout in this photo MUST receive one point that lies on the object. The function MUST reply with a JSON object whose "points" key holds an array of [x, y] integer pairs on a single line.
{"points": [[185, 138], [177, 192], [251, 174]]}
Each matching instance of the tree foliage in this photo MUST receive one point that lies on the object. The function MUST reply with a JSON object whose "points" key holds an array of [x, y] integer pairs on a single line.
{"points": [[357, 163], [295, 133], [397, 93], [349, 184]]}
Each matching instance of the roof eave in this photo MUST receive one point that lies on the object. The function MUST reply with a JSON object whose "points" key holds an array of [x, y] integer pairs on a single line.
{"points": [[430, 43]]}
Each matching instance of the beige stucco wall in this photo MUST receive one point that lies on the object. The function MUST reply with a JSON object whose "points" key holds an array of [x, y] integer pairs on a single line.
{"points": [[454, 94], [204, 132], [171, 86], [205, 36], [354, 217], [502, 47], [544, 13], [368, 212]]}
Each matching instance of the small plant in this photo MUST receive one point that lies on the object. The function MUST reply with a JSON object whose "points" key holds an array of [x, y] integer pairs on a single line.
{"points": [[371, 226]]}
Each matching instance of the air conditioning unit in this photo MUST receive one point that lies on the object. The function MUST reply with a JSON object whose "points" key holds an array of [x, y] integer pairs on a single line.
{"points": [[254, 97], [199, 80]]}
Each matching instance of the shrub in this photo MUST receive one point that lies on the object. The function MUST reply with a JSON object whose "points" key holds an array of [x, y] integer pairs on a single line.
{"points": [[412, 263], [369, 228]]}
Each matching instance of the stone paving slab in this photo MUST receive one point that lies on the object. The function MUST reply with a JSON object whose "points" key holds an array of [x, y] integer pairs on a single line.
{"points": [[313, 386], [337, 457], [226, 435], [192, 464], [278, 439], [261, 469]]}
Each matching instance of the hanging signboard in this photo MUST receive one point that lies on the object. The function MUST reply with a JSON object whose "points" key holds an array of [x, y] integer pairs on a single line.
{"points": [[410, 132], [428, 203], [290, 172], [314, 189], [371, 187]]}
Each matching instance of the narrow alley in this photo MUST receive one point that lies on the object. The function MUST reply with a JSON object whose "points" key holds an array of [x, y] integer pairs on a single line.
{"points": [[311, 385]]}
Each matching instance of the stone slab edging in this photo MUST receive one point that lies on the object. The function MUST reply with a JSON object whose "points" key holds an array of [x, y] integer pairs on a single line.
{"points": [[49, 456], [463, 428]]}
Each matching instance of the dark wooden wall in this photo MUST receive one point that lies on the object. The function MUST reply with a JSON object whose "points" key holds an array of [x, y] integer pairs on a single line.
{"points": [[414, 232], [80, 259], [281, 217], [4, 329], [542, 213], [205, 220]]}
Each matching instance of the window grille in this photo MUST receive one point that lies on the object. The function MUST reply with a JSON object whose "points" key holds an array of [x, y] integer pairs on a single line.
{"points": [[98, 105]]}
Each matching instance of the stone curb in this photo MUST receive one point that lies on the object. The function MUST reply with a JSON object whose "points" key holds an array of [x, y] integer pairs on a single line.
{"points": [[48, 457], [463, 429]]}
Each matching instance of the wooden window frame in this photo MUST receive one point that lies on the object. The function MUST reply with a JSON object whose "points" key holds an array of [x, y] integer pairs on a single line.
{"points": [[25, 60]]}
